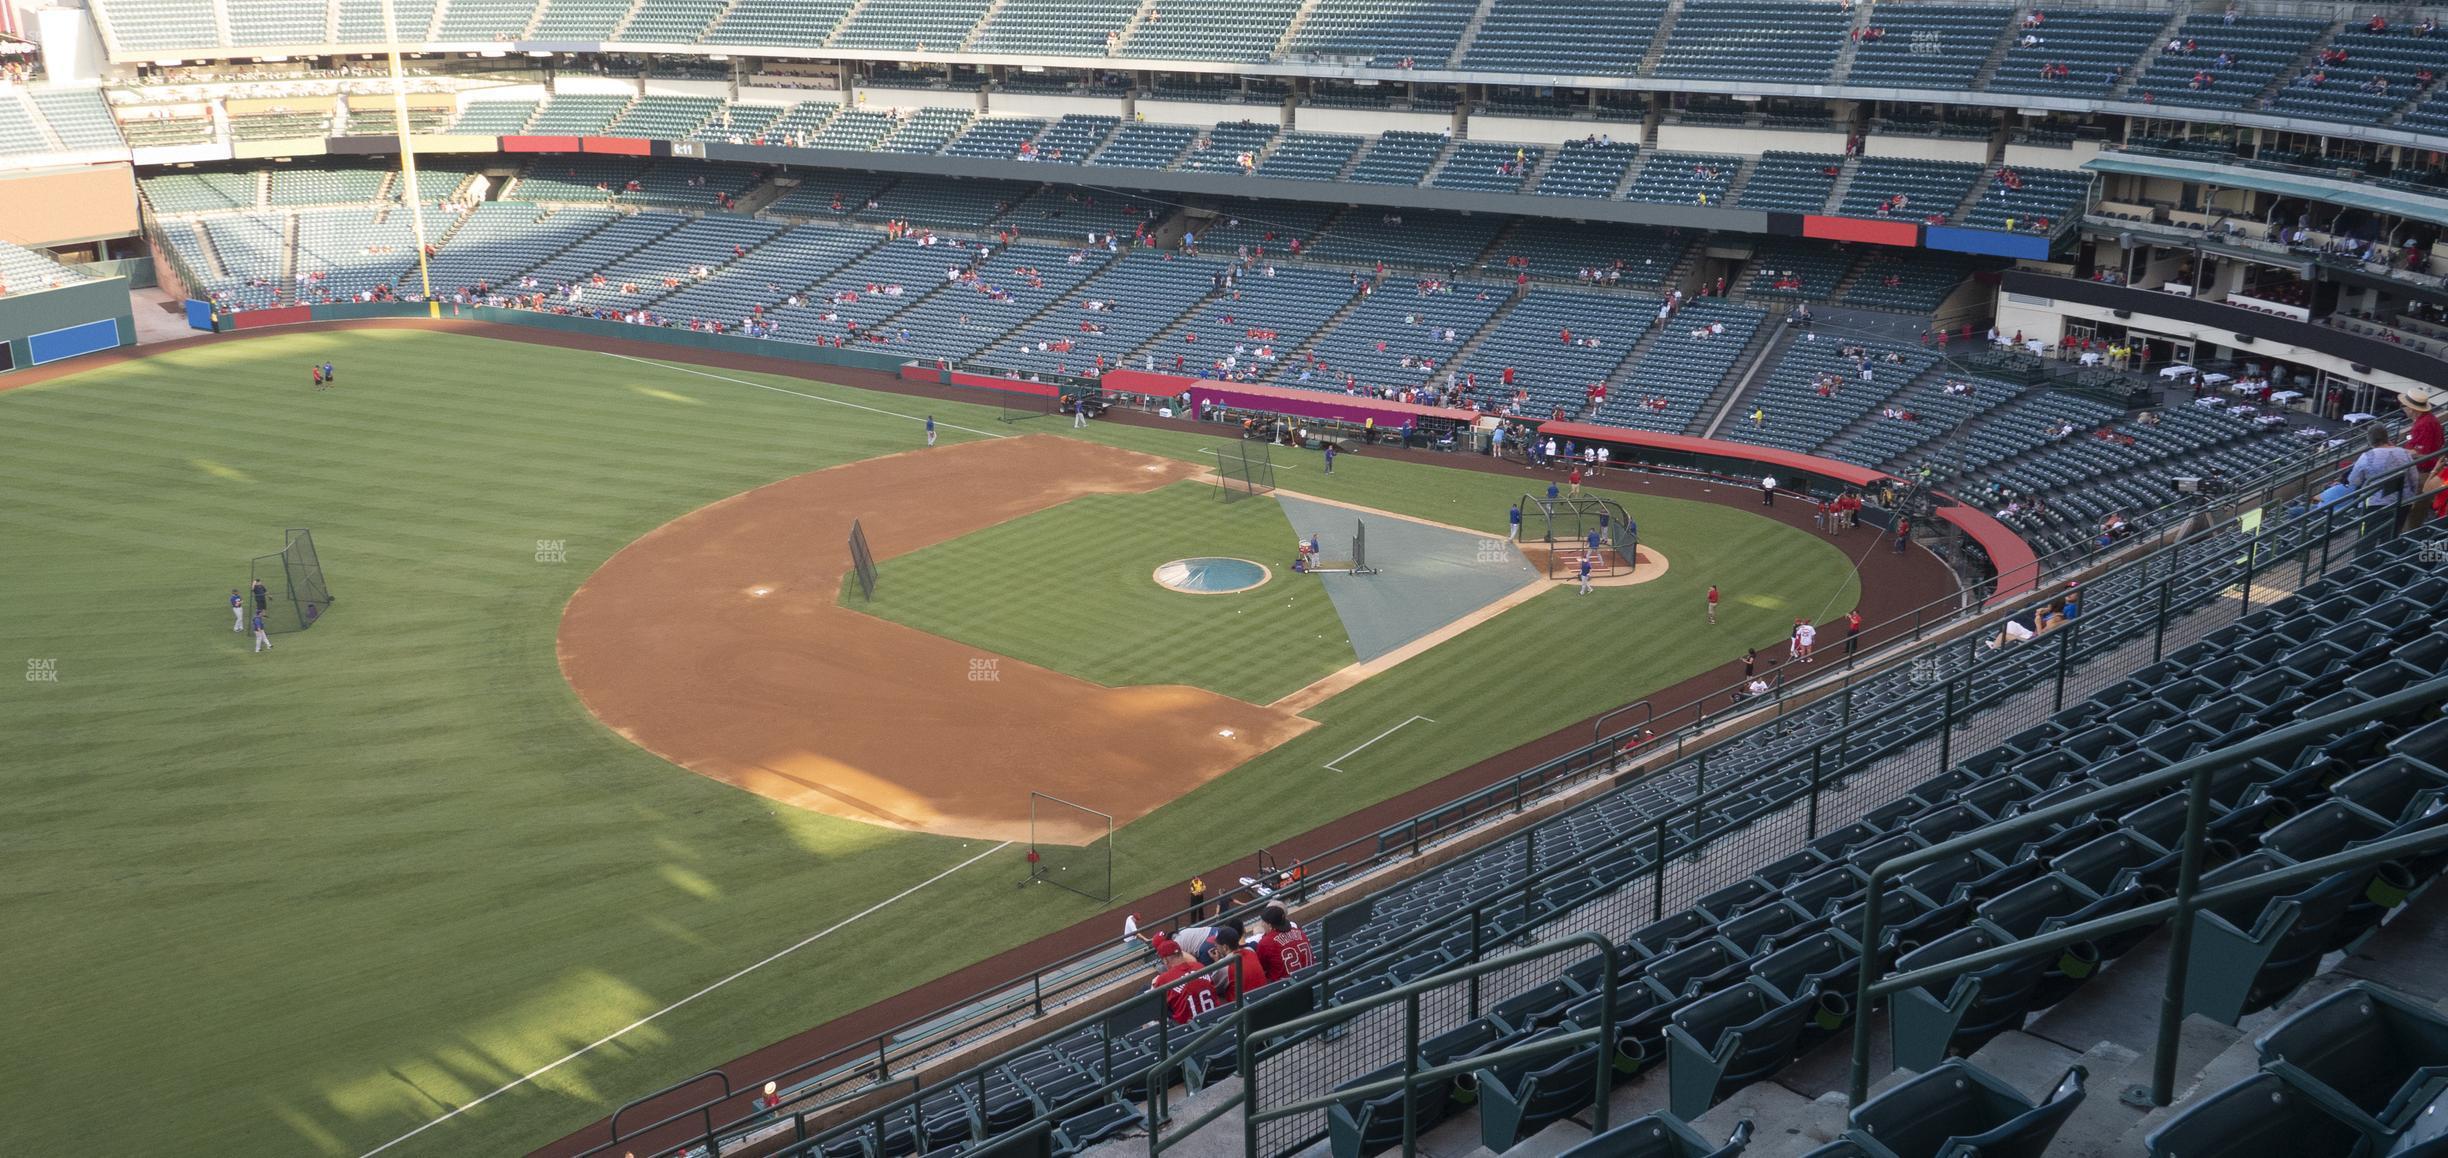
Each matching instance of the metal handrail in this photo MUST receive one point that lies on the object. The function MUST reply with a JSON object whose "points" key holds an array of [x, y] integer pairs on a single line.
{"points": [[2195, 771], [1407, 993]]}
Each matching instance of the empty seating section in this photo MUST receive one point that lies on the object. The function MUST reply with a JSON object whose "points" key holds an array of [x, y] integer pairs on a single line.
{"points": [[343, 251], [1133, 297], [1629, 256], [1488, 166], [1254, 329], [946, 204], [676, 259], [740, 122], [254, 250], [147, 128], [998, 138], [1791, 182], [2036, 198], [1231, 147], [576, 115], [1146, 146], [1571, 37], [829, 194], [2087, 478], [293, 185], [2381, 73], [784, 265], [579, 20], [934, 26], [1398, 157], [1690, 354], [1073, 138], [1054, 27], [671, 21], [495, 118], [498, 240], [1227, 30], [1310, 156], [1818, 388], [361, 21], [201, 191], [1385, 32], [583, 179], [1587, 169], [280, 125], [1918, 286], [1073, 214], [77, 116], [852, 129], [24, 270], [1784, 43], [383, 122], [158, 24], [1557, 374], [19, 132], [484, 20], [1926, 45], [2091, 49], [1424, 240], [782, 23], [579, 264], [1683, 179], [2223, 64], [664, 118], [964, 316], [1936, 412], [1789, 267], [1402, 322], [1909, 190], [928, 130]]}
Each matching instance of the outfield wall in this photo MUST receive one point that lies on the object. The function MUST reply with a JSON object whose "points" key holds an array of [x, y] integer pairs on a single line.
{"points": [[54, 324]]}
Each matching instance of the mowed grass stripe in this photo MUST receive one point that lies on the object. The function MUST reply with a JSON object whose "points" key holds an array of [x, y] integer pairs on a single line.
{"points": [[304, 901]]}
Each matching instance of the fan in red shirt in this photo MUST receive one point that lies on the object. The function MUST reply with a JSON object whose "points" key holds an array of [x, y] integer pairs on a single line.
{"points": [[1283, 949], [1187, 994]]}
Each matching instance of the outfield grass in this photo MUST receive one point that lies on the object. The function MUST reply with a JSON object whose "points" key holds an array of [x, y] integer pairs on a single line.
{"points": [[1071, 588], [303, 902]]}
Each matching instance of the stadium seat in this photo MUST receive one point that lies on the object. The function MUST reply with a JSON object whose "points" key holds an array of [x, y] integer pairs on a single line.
{"points": [[1956, 1110]]}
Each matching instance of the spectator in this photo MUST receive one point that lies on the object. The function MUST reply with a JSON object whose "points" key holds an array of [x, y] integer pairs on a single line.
{"points": [[1187, 994], [1283, 949]]}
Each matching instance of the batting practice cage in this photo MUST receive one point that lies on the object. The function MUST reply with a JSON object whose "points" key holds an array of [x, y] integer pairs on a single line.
{"points": [[1357, 564], [1070, 847], [1035, 402], [294, 580], [1565, 526], [1243, 469], [862, 561]]}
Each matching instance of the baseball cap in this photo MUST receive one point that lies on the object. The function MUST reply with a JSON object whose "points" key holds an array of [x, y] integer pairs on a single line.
{"points": [[1165, 946]]}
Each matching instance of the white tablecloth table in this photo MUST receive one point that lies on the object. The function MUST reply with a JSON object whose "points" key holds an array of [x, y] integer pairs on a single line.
{"points": [[2176, 371], [2091, 358]]}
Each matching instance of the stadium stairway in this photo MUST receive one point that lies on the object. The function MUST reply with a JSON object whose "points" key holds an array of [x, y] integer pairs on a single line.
{"points": [[1657, 49], [2133, 75], [1470, 34]]}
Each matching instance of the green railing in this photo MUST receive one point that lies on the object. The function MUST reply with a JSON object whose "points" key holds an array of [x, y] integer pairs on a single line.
{"points": [[2195, 773]]}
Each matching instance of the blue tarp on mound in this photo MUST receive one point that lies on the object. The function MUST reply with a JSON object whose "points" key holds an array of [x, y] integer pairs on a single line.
{"points": [[1429, 576]]}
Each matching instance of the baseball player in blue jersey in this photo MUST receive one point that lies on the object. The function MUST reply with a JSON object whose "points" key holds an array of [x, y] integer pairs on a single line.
{"points": [[263, 641], [1585, 574], [930, 430], [237, 610]]}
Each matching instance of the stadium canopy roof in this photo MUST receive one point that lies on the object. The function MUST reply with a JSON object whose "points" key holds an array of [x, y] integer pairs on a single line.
{"points": [[2328, 189]]}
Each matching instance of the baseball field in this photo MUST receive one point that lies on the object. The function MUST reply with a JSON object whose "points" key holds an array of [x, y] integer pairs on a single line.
{"points": [[596, 775]]}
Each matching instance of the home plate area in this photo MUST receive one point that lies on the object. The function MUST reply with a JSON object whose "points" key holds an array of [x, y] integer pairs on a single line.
{"points": [[1427, 576]]}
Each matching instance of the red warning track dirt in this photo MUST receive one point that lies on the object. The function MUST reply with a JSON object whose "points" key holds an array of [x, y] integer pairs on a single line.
{"points": [[718, 642]]}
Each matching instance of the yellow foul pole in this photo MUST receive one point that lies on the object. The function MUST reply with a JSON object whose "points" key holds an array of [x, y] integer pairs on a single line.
{"points": [[408, 172]]}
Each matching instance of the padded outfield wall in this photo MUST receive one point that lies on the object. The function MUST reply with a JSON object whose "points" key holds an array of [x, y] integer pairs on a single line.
{"points": [[49, 325]]}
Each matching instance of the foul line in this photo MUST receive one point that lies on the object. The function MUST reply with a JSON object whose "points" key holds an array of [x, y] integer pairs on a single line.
{"points": [[600, 1042], [797, 393], [1330, 765]]}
